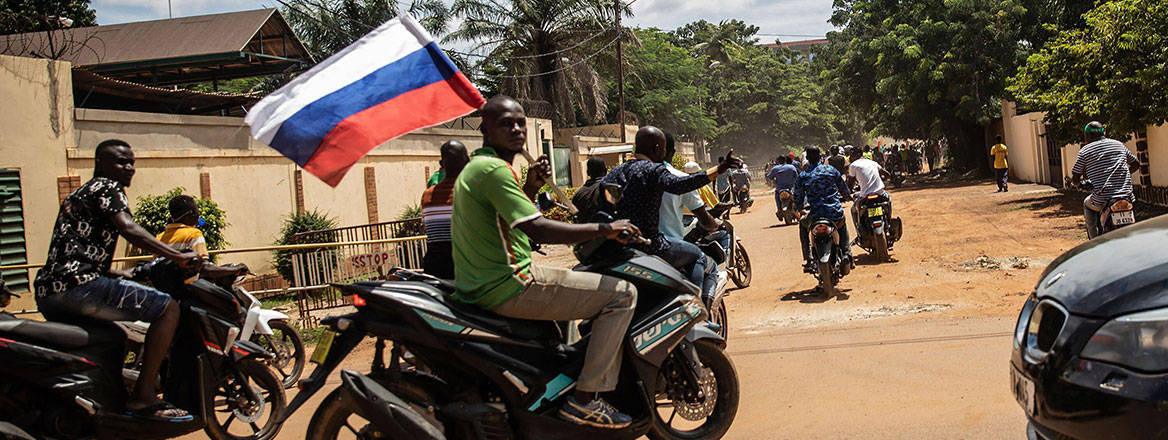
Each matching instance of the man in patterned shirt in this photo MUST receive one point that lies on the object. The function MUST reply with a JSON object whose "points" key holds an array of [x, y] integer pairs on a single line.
{"points": [[821, 187], [644, 181], [77, 280]]}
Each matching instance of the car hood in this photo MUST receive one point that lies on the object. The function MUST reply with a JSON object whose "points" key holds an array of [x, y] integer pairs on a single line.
{"points": [[1120, 272]]}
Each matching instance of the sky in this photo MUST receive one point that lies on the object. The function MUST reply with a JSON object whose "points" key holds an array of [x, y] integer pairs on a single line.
{"points": [[795, 19]]}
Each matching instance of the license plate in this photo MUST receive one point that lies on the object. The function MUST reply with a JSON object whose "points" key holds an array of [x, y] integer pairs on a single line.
{"points": [[1023, 392], [1123, 218], [875, 212], [322, 347]]}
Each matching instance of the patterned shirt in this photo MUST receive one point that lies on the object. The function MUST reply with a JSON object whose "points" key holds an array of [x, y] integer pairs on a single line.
{"points": [[821, 187], [84, 239], [643, 184], [1105, 162]]}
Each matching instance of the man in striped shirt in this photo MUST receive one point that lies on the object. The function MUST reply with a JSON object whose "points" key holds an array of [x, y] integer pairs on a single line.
{"points": [[1109, 164], [437, 203]]}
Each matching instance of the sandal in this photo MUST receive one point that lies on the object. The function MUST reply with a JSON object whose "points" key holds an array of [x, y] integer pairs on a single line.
{"points": [[156, 412]]}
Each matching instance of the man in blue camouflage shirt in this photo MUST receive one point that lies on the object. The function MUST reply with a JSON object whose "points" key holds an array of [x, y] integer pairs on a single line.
{"points": [[821, 187]]}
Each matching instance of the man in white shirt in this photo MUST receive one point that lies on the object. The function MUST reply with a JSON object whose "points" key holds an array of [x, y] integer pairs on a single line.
{"points": [[868, 174], [670, 219]]}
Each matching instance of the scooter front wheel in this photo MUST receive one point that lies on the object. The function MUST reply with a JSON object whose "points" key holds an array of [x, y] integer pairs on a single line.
{"points": [[286, 344], [674, 415]]}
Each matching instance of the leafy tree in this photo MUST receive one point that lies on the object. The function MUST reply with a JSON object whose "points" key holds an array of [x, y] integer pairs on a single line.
{"points": [[663, 84], [1114, 70], [18, 16], [327, 26], [546, 49], [715, 41], [929, 69], [763, 101], [296, 223], [153, 214]]}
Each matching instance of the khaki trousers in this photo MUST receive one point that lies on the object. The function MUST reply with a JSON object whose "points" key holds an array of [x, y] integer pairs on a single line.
{"points": [[563, 295]]}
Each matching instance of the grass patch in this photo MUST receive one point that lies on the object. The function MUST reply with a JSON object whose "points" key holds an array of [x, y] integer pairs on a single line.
{"points": [[310, 334], [272, 302]]}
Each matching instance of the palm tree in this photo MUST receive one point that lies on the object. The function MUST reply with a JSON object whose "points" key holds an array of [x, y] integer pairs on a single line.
{"points": [[542, 49], [327, 26]]}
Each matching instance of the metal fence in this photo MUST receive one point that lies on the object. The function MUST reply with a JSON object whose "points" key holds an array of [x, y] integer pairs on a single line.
{"points": [[373, 231], [1157, 195], [353, 259]]}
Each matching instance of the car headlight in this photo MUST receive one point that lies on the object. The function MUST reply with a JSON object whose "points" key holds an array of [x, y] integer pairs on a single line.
{"points": [[1138, 341]]}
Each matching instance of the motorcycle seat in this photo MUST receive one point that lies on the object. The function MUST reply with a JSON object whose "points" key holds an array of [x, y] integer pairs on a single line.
{"points": [[516, 328], [59, 334]]}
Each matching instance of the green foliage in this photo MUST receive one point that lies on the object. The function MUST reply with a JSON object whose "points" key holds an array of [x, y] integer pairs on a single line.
{"points": [[929, 69], [296, 223], [153, 214], [327, 26], [413, 228], [663, 85], [1115, 70], [518, 35], [257, 84], [18, 16]]}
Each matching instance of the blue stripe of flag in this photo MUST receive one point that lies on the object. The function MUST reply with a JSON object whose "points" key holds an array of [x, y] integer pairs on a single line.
{"points": [[301, 134]]}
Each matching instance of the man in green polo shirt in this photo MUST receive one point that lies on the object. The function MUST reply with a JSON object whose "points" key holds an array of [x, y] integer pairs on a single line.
{"points": [[494, 219]]}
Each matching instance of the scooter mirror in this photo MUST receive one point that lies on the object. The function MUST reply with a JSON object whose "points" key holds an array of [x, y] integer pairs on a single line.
{"points": [[545, 202], [612, 193]]}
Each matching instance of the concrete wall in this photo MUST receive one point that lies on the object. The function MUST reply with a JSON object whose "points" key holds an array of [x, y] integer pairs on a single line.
{"points": [[36, 126], [41, 134], [1158, 154]]}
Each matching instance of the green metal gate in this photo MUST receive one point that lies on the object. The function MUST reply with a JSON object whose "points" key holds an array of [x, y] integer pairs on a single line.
{"points": [[12, 250]]}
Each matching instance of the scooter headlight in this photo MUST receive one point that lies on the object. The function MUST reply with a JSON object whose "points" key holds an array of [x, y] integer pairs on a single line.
{"points": [[1138, 341]]}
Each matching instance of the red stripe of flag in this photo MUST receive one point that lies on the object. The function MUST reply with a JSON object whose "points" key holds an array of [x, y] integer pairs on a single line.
{"points": [[360, 133]]}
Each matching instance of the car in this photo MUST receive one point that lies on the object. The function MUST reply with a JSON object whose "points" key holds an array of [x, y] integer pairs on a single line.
{"points": [[1090, 357]]}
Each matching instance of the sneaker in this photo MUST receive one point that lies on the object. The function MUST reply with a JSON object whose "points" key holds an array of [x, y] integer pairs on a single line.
{"points": [[596, 413]]}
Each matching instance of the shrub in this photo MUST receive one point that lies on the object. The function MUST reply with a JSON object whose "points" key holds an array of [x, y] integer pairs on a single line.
{"points": [[412, 228], [294, 224], [153, 214], [558, 213]]}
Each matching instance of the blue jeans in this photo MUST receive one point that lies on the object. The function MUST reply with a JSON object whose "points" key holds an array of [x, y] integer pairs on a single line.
{"points": [[723, 238], [106, 299], [690, 259]]}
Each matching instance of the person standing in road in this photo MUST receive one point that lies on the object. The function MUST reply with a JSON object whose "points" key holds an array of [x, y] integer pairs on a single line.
{"points": [[437, 208], [1109, 165], [1001, 167]]}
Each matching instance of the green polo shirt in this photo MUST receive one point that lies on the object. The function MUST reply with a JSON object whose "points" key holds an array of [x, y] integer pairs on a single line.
{"points": [[492, 259]]}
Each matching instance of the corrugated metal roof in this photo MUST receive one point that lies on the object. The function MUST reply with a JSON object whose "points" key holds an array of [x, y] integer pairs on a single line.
{"points": [[156, 39]]}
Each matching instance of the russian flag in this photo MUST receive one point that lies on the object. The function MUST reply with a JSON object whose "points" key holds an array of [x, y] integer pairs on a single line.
{"points": [[390, 82]]}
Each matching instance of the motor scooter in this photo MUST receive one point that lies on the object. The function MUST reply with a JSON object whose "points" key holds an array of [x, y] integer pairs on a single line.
{"points": [[876, 229]]}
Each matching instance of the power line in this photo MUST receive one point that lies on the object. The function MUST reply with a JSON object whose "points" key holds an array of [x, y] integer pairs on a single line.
{"points": [[582, 61]]}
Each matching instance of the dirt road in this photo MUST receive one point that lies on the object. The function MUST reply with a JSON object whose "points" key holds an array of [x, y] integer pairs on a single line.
{"points": [[917, 348]]}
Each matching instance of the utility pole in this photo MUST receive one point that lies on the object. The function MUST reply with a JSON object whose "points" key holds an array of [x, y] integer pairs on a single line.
{"points": [[169, 9], [620, 73]]}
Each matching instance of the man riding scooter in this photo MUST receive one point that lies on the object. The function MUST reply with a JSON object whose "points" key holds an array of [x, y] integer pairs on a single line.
{"points": [[867, 173], [1109, 165], [784, 175], [821, 188], [671, 218], [644, 180], [493, 224], [77, 280]]}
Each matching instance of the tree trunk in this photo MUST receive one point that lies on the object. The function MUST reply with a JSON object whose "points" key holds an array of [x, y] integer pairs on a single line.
{"points": [[969, 149]]}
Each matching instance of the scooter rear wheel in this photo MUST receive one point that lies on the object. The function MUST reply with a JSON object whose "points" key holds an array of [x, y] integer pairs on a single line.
{"points": [[826, 279], [228, 416], [880, 248]]}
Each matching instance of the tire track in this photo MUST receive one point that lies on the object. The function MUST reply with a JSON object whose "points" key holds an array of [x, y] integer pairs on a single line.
{"points": [[872, 343]]}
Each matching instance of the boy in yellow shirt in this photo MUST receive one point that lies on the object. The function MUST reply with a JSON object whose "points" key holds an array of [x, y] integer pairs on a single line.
{"points": [[183, 231], [1001, 167]]}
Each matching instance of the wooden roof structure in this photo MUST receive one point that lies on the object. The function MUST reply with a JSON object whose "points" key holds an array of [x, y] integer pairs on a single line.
{"points": [[173, 51]]}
